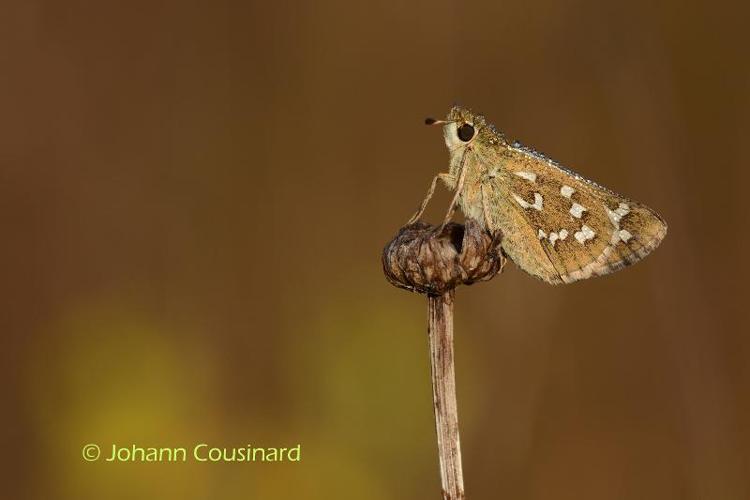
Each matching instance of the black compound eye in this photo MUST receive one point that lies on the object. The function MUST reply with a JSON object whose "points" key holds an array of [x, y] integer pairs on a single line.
{"points": [[465, 132]]}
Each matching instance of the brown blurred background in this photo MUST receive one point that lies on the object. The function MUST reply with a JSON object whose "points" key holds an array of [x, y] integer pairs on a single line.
{"points": [[195, 197]]}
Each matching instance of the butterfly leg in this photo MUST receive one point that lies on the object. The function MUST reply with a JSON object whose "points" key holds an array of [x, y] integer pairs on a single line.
{"points": [[454, 201], [448, 179]]}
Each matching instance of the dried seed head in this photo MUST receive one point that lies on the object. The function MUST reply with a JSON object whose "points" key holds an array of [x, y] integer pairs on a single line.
{"points": [[420, 260]]}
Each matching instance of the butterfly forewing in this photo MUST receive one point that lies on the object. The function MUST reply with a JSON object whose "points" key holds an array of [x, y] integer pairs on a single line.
{"points": [[557, 225]]}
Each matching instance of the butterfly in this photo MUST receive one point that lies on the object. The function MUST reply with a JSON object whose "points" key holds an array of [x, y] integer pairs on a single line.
{"points": [[556, 225]]}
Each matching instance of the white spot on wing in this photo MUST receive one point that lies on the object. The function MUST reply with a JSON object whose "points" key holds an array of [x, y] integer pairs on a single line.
{"points": [[577, 210], [529, 176], [553, 236], [585, 234], [538, 200], [617, 214], [567, 191], [614, 217], [625, 235]]}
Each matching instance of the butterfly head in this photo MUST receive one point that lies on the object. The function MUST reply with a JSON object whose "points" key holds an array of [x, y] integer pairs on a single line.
{"points": [[462, 127]]}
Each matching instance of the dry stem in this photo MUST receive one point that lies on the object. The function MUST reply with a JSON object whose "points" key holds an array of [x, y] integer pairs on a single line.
{"points": [[440, 330]]}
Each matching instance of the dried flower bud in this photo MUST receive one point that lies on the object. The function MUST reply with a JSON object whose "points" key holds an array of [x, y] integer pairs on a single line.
{"points": [[420, 260]]}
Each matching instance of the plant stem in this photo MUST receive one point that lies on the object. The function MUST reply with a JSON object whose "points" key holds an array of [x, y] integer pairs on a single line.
{"points": [[440, 331]]}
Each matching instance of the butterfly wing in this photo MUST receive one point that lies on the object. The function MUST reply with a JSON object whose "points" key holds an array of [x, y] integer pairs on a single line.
{"points": [[561, 227]]}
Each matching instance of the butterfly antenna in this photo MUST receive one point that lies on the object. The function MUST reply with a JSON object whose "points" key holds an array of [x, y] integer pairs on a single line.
{"points": [[433, 121]]}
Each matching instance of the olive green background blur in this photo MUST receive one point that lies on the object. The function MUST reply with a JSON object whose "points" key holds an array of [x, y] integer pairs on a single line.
{"points": [[195, 197]]}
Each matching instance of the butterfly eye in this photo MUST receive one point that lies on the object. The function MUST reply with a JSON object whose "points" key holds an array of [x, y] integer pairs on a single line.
{"points": [[465, 132]]}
